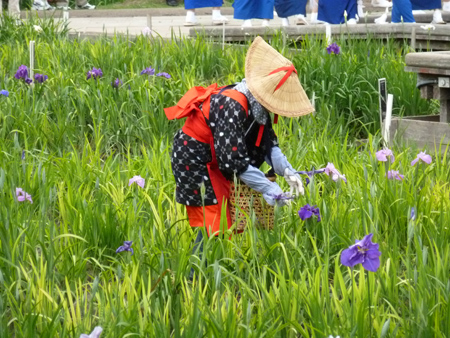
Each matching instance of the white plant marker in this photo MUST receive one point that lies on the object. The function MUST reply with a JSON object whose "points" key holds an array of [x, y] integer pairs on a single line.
{"points": [[387, 121], [65, 15], [149, 21], [328, 33], [413, 38], [32, 60]]}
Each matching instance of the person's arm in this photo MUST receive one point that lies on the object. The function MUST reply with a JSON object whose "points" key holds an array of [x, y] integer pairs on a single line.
{"points": [[282, 167], [256, 180]]}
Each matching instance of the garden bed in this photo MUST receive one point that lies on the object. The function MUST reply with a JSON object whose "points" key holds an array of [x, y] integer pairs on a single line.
{"points": [[71, 143]]}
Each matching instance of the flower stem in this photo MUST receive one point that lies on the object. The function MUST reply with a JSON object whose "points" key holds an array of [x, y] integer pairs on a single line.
{"points": [[370, 308], [353, 299]]}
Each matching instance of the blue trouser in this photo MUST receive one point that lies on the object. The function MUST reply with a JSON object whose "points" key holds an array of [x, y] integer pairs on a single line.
{"points": [[253, 9], [402, 9], [287, 8], [332, 11], [192, 4], [425, 4]]}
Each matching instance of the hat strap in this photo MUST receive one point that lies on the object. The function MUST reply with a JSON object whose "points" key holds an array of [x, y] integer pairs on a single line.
{"points": [[289, 70]]}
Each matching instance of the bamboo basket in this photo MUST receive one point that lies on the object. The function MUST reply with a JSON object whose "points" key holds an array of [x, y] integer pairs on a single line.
{"points": [[244, 201]]}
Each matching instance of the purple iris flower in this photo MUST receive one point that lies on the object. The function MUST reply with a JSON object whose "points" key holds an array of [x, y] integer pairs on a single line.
{"points": [[94, 73], [422, 157], [138, 180], [40, 78], [412, 216], [4, 92], [335, 175], [393, 174], [164, 74], [117, 83], [308, 211], [94, 334], [383, 154], [310, 173], [125, 247], [22, 72], [23, 154], [362, 252], [148, 71], [23, 196], [334, 49], [282, 196]]}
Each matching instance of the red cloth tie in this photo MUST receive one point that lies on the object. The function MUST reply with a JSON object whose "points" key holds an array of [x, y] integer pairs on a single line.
{"points": [[289, 70]]}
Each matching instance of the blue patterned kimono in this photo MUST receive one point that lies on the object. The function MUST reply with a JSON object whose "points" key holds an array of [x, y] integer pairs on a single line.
{"points": [[332, 11]]}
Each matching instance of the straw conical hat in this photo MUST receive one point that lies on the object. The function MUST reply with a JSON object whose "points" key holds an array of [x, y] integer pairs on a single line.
{"points": [[289, 99]]}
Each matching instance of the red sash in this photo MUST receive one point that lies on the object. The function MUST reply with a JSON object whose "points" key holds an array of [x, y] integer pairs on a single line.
{"points": [[196, 127]]}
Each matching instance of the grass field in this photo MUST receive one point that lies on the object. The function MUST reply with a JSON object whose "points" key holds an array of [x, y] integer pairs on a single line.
{"points": [[73, 143]]}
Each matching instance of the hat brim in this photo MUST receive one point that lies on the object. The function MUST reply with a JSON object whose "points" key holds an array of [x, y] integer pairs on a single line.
{"points": [[290, 99]]}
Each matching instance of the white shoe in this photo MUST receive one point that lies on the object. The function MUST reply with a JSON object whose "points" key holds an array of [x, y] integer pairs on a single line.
{"points": [[285, 22], [265, 23], [220, 20], [381, 3], [37, 6], [351, 22], [315, 21], [360, 9], [49, 7], [381, 20], [446, 6], [190, 23], [191, 20], [64, 8], [437, 18], [87, 6], [247, 23], [301, 20]]}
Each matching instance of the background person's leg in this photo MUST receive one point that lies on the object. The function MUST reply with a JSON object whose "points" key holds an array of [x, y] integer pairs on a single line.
{"points": [[13, 8], [352, 11], [446, 6], [287, 8], [217, 17], [253, 9], [402, 10], [83, 4], [332, 11]]}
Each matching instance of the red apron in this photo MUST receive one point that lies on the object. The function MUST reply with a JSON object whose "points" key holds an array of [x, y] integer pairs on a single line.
{"points": [[197, 128]]}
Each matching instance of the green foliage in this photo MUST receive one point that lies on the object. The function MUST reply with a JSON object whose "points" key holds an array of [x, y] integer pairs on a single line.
{"points": [[82, 140], [20, 35]]}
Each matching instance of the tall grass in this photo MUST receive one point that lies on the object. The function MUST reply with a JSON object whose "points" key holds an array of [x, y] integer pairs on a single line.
{"points": [[82, 140]]}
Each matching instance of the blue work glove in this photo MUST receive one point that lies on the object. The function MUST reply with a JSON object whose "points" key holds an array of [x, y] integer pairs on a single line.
{"points": [[256, 180], [282, 167]]}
